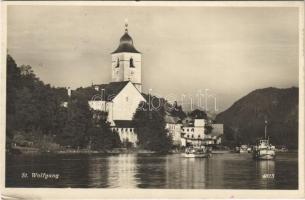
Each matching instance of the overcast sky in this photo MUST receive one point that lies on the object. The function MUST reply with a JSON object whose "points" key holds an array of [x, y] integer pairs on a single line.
{"points": [[230, 51]]}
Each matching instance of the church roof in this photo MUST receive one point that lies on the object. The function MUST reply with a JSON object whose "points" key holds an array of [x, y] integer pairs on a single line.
{"points": [[124, 123], [112, 89], [126, 44], [102, 92]]}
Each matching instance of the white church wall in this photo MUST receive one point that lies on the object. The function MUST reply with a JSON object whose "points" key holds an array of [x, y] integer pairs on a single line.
{"points": [[126, 103], [127, 135], [110, 113]]}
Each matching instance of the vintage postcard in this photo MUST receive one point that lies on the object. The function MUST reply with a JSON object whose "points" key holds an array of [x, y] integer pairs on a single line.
{"points": [[152, 100]]}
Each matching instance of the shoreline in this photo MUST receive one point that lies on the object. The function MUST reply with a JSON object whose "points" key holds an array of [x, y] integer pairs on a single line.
{"points": [[37, 151], [34, 150]]}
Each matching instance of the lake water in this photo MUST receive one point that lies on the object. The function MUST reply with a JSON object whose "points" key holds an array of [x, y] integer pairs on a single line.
{"points": [[221, 171]]}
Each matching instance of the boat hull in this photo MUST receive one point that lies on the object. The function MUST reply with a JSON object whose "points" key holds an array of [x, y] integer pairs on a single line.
{"points": [[243, 151], [264, 155], [191, 155]]}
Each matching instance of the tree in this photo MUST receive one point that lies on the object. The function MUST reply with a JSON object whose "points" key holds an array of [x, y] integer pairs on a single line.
{"points": [[177, 111], [12, 87], [100, 136], [35, 113], [208, 128], [79, 120], [198, 114], [151, 131]]}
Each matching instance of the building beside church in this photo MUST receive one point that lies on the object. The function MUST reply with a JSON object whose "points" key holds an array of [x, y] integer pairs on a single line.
{"points": [[121, 97], [191, 131], [194, 132], [174, 127]]}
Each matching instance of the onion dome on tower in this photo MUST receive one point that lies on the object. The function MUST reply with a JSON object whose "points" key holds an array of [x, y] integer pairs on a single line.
{"points": [[126, 43]]}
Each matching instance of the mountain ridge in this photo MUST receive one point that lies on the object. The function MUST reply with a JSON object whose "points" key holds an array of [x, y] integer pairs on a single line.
{"points": [[244, 120]]}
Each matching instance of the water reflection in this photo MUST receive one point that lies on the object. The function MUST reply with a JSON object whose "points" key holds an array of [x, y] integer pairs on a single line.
{"points": [[233, 171], [98, 170], [71, 169], [223, 171], [186, 173], [216, 178], [266, 173], [151, 171], [122, 171]]}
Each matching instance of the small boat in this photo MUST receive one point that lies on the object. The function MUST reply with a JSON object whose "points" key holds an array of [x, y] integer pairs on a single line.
{"points": [[263, 149], [198, 152], [281, 149], [243, 149]]}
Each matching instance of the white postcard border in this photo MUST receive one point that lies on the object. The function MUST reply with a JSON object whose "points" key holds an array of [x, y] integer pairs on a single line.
{"points": [[67, 193]]}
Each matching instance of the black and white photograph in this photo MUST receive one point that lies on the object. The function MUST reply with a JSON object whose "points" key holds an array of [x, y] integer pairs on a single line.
{"points": [[166, 96]]}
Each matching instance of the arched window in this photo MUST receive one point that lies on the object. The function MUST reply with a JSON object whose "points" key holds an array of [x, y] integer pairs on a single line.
{"points": [[118, 63], [131, 63], [192, 130]]}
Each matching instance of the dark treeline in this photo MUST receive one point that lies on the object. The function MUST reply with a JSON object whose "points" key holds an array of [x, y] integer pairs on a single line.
{"points": [[150, 122], [152, 134], [45, 117], [37, 117]]}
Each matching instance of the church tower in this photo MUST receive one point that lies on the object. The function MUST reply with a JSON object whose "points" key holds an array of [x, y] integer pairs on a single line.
{"points": [[126, 62]]}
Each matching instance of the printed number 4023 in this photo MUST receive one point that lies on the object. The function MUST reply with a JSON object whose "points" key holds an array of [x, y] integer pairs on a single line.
{"points": [[268, 175]]}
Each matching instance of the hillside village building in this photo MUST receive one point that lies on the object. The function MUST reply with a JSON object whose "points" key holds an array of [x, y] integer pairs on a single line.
{"points": [[195, 133], [192, 131], [174, 126]]}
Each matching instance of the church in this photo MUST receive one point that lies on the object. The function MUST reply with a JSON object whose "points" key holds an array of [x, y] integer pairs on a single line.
{"points": [[121, 97]]}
